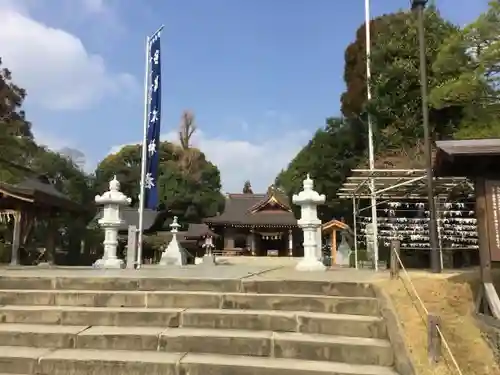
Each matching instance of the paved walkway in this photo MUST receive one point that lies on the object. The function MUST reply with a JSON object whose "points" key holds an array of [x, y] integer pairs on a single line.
{"points": [[224, 271]]}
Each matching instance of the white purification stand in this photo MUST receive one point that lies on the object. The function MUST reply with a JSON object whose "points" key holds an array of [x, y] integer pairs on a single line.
{"points": [[111, 220], [308, 200], [173, 254]]}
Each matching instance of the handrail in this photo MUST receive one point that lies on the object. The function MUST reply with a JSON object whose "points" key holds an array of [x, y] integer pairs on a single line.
{"points": [[422, 305]]}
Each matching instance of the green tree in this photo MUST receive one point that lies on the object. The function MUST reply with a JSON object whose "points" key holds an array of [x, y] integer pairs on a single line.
{"points": [[247, 187], [71, 180], [474, 52], [328, 158], [21, 157], [396, 104], [16, 139], [189, 186]]}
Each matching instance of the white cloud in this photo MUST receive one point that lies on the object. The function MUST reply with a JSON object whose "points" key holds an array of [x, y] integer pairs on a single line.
{"points": [[239, 160], [53, 65]]}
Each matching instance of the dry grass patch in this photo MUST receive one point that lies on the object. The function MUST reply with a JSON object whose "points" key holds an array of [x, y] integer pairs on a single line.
{"points": [[451, 299]]}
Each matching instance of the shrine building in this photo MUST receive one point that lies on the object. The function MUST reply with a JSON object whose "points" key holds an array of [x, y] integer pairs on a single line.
{"points": [[257, 225]]}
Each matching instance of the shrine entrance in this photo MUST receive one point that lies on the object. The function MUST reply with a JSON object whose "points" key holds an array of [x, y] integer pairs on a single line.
{"points": [[272, 244]]}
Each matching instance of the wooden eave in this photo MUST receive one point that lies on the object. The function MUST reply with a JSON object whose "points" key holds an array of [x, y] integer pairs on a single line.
{"points": [[335, 224], [25, 195], [270, 200], [471, 158]]}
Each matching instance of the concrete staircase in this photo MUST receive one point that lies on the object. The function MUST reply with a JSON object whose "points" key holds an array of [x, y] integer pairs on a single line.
{"points": [[108, 326]]}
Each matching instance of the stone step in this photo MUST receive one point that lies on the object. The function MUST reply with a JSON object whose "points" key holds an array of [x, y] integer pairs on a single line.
{"points": [[317, 347], [262, 320], [98, 282], [182, 299], [21, 360]]}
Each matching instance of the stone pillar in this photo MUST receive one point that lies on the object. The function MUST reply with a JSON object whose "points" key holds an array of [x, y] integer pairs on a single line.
{"points": [[319, 240], [290, 243], [131, 246]]}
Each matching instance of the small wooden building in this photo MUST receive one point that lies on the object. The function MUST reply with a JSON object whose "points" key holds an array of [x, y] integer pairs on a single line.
{"points": [[330, 229], [258, 225], [34, 198]]}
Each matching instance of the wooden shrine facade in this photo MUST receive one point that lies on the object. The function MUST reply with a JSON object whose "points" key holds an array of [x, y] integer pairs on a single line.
{"points": [[33, 199], [257, 225]]}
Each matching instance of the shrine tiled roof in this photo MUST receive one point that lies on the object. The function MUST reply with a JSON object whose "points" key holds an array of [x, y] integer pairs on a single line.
{"points": [[251, 209]]}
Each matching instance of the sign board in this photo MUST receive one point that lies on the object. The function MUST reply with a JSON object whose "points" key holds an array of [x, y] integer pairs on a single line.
{"points": [[492, 190]]}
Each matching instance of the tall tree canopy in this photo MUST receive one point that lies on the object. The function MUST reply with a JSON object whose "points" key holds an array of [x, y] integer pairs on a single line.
{"points": [[474, 52], [16, 139], [463, 72], [328, 158], [396, 104], [247, 188], [21, 157], [191, 194]]}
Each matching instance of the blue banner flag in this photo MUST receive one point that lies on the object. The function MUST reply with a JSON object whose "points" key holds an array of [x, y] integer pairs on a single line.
{"points": [[154, 122]]}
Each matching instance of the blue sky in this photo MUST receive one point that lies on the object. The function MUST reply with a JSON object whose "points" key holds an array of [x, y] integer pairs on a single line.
{"points": [[260, 75]]}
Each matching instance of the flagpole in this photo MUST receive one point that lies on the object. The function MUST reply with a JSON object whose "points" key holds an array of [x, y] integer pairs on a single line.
{"points": [[371, 152], [144, 149], [143, 158]]}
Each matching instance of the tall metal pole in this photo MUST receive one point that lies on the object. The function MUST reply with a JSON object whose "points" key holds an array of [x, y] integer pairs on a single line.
{"points": [[355, 230], [419, 5], [143, 159], [371, 153]]}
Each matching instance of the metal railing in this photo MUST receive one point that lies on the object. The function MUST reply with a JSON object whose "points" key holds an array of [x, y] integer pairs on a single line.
{"points": [[435, 334]]}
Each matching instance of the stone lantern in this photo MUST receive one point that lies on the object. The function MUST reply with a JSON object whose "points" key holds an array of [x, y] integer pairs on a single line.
{"points": [[308, 200], [111, 221], [173, 255]]}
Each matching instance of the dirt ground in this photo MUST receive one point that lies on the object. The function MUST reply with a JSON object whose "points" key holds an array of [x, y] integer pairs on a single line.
{"points": [[452, 299]]}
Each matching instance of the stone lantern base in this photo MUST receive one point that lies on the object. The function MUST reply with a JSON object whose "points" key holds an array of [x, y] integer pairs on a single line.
{"points": [[310, 265], [109, 263]]}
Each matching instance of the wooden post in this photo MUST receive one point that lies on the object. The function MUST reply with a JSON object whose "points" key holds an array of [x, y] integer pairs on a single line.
{"points": [[433, 339], [334, 246], [482, 230], [395, 253]]}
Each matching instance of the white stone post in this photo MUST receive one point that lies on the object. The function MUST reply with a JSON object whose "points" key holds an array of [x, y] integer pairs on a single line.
{"points": [[308, 200], [290, 243], [173, 254], [319, 240], [111, 221]]}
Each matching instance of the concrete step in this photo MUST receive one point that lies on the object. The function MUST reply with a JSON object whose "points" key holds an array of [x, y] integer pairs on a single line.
{"points": [[183, 299], [263, 320], [97, 282], [102, 362], [20, 360], [317, 347]]}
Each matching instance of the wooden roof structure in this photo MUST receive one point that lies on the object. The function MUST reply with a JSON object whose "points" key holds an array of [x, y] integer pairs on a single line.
{"points": [[335, 225], [199, 231], [398, 184], [266, 210], [37, 191], [468, 157]]}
